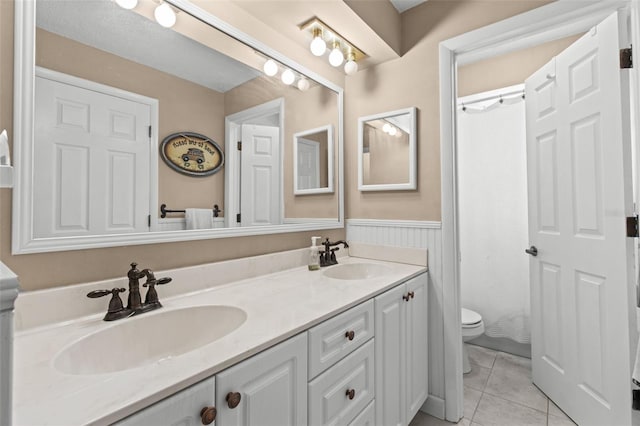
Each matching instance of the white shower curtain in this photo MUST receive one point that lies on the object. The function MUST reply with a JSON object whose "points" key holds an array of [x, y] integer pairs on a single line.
{"points": [[492, 191]]}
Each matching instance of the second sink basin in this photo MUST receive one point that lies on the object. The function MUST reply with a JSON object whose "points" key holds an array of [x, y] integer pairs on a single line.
{"points": [[138, 341], [356, 271]]}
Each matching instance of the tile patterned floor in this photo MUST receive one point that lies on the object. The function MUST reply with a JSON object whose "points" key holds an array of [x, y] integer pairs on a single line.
{"points": [[498, 392]]}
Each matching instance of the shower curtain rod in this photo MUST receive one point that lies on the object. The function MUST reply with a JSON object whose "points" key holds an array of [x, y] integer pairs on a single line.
{"points": [[488, 98]]}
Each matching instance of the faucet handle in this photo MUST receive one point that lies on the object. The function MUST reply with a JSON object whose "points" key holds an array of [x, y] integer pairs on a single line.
{"points": [[152, 281], [100, 293], [116, 309]]}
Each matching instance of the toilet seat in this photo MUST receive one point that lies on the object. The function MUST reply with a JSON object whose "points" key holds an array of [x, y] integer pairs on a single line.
{"points": [[470, 319]]}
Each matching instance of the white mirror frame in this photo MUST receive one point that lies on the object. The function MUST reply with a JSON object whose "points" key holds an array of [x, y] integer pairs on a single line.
{"points": [[23, 240], [330, 172], [412, 184]]}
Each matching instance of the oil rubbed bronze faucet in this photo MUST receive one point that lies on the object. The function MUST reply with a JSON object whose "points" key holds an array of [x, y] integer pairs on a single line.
{"points": [[135, 306], [328, 256]]}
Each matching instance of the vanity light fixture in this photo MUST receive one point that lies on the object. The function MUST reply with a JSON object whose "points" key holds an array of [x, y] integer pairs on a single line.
{"points": [[336, 57], [288, 77], [318, 46], [165, 15], [270, 67], [322, 35], [127, 4]]}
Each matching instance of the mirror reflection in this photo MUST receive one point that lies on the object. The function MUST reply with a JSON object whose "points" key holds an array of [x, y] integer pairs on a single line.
{"points": [[313, 154], [387, 151], [111, 84]]}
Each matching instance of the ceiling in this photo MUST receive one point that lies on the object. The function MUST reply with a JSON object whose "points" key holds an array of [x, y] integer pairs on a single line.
{"points": [[106, 26]]}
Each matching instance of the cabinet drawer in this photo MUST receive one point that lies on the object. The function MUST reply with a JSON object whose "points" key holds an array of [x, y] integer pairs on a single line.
{"points": [[330, 341], [367, 417], [329, 399]]}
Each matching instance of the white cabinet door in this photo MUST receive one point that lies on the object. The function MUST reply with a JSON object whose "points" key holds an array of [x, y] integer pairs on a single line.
{"points": [[401, 352], [181, 409], [389, 357], [417, 345], [272, 387]]}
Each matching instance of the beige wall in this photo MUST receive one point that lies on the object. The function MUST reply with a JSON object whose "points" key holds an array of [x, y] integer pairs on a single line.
{"points": [[412, 80], [45, 270], [508, 70], [183, 106], [316, 107]]}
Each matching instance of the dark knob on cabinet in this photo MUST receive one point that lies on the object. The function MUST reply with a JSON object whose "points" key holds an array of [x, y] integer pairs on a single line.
{"points": [[350, 334], [351, 393], [406, 297], [233, 399], [208, 415], [411, 294]]}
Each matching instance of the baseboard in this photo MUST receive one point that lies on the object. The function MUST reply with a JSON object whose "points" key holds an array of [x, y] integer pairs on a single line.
{"points": [[434, 406]]}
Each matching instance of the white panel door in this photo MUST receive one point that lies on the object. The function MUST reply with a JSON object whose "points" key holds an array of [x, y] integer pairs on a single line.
{"points": [[308, 164], [92, 153], [579, 194], [260, 202]]}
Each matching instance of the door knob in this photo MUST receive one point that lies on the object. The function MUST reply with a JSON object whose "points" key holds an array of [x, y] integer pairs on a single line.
{"points": [[533, 251]]}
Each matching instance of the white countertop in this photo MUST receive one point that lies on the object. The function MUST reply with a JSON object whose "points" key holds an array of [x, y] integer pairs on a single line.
{"points": [[278, 306]]}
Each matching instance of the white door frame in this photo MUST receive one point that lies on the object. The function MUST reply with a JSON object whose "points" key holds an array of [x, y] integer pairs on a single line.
{"points": [[232, 129], [550, 22]]}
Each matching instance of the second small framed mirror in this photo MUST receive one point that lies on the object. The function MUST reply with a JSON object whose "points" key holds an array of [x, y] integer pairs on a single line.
{"points": [[313, 161], [387, 151]]}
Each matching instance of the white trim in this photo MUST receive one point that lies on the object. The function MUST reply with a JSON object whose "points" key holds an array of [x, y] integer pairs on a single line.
{"points": [[549, 22], [434, 406], [24, 63], [330, 172], [426, 224], [413, 138]]}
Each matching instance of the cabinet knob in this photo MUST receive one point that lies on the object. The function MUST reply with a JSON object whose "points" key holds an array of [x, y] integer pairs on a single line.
{"points": [[208, 415], [350, 334], [411, 294], [406, 297], [351, 393], [233, 399]]}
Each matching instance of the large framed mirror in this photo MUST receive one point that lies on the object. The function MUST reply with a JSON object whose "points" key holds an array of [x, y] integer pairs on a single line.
{"points": [[98, 88], [313, 161], [387, 145]]}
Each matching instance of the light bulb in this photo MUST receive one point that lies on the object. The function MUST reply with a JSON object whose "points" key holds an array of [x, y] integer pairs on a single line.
{"points": [[127, 4], [318, 46], [303, 84], [386, 127], [270, 68], [336, 57], [288, 77], [393, 131], [351, 67], [165, 15]]}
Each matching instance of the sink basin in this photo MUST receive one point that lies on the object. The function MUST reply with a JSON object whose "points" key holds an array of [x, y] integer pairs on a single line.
{"points": [[356, 271], [149, 338]]}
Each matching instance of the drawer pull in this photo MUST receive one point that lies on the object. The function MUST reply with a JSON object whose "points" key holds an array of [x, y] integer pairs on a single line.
{"points": [[411, 294], [406, 297], [233, 399], [208, 415], [350, 334], [351, 393]]}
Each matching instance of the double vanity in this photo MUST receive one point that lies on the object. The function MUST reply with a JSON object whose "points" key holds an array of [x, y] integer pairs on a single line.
{"points": [[259, 340]]}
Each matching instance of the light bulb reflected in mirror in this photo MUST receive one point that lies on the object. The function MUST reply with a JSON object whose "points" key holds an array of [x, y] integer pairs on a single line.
{"points": [[386, 127], [393, 131], [303, 84], [270, 68], [288, 77], [127, 4], [165, 15]]}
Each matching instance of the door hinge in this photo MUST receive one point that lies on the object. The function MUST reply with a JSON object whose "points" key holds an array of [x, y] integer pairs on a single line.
{"points": [[149, 221], [239, 145], [632, 227], [626, 58], [238, 218], [149, 131]]}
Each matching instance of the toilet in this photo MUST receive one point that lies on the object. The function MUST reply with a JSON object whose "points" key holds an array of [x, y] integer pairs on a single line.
{"points": [[472, 327]]}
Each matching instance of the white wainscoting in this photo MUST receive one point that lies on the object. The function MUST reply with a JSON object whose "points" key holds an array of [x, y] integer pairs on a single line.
{"points": [[415, 234]]}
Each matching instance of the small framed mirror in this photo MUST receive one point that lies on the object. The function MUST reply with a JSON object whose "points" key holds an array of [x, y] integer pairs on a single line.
{"points": [[387, 151], [313, 165]]}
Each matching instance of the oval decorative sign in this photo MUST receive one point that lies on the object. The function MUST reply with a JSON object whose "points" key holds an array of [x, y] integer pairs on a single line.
{"points": [[192, 154]]}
